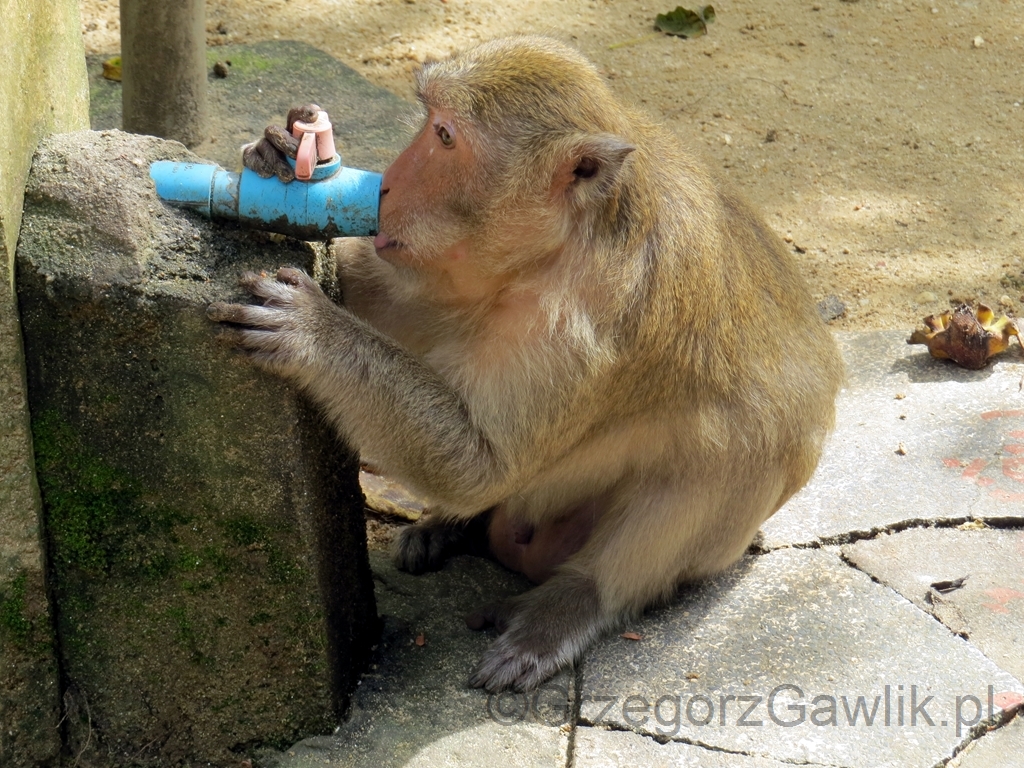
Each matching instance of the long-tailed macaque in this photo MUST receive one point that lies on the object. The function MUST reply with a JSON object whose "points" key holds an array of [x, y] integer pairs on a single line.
{"points": [[566, 322]]}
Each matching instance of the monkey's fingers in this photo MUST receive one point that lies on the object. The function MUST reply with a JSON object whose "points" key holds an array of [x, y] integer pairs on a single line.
{"points": [[281, 140], [219, 312], [274, 292], [267, 349], [307, 113], [249, 315], [265, 160], [296, 278]]}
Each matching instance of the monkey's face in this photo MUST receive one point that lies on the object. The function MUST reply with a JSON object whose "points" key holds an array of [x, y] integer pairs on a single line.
{"points": [[430, 196]]}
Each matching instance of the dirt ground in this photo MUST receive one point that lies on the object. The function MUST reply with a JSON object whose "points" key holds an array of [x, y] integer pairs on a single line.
{"points": [[883, 139]]}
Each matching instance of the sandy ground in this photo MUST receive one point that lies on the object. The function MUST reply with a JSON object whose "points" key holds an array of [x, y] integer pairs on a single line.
{"points": [[883, 140]]}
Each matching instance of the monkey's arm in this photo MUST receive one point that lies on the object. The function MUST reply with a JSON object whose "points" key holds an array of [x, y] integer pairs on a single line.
{"points": [[384, 400]]}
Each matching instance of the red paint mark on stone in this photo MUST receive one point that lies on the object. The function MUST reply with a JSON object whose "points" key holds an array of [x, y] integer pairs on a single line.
{"points": [[1007, 700], [1017, 433], [973, 470], [1001, 595], [952, 463], [995, 608], [1014, 468], [989, 415], [1015, 448]]}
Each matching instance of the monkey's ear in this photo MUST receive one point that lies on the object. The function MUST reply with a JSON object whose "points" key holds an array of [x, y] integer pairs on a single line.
{"points": [[592, 166]]}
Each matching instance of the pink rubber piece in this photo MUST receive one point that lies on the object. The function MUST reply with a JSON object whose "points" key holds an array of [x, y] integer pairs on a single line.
{"points": [[305, 157], [316, 144]]}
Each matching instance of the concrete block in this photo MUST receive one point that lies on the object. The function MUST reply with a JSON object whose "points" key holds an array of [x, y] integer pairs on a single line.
{"points": [[206, 533]]}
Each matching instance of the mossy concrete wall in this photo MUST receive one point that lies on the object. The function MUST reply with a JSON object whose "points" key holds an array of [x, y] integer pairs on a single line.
{"points": [[208, 545], [43, 89]]}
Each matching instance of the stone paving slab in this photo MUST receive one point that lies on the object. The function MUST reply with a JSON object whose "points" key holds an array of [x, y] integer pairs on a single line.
{"points": [[797, 630], [962, 434], [988, 608], [597, 748], [1003, 748], [414, 707]]}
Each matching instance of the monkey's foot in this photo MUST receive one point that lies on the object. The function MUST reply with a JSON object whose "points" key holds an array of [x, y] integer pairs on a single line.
{"points": [[548, 628], [425, 546]]}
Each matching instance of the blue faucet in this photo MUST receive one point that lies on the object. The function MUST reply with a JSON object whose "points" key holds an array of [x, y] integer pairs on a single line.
{"points": [[334, 201]]}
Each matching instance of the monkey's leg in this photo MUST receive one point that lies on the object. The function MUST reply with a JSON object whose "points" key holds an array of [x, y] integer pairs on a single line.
{"points": [[636, 557], [534, 551], [544, 629], [426, 545]]}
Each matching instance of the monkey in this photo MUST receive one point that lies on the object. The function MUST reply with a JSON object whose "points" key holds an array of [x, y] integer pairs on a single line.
{"points": [[566, 323]]}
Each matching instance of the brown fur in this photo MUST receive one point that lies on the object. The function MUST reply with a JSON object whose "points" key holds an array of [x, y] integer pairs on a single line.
{"points": [[571, 313]]}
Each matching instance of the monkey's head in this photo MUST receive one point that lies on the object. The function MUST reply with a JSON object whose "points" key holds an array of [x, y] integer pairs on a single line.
{"points": [[523, 148]]}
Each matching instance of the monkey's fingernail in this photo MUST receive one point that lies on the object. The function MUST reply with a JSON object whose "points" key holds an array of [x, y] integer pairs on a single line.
{"points": [[290, 275]]}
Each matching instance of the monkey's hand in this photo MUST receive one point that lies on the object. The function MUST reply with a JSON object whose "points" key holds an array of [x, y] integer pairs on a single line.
{"points": [[380, 397], [542, 631], [267, 157], [280, 335]]}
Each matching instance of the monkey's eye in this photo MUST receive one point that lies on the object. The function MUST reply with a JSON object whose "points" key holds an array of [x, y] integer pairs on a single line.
{"points": [[446, 135]]}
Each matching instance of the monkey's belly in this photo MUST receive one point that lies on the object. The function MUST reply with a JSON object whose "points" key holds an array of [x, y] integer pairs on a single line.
{"points": [[537, 550]]}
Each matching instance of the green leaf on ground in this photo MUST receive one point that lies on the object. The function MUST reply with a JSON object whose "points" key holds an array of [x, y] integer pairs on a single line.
{"points": [[684, 22]]}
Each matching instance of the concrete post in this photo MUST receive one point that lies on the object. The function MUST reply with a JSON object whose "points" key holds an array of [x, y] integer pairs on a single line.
{"points": [[207, 543], [43, 89], [163, 65]]}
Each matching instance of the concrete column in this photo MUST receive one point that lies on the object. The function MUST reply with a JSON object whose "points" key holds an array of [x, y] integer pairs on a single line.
{"points": [[163, 63]]}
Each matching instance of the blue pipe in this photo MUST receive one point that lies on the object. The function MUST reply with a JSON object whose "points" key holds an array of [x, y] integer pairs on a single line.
{"points": [[336, 202]]}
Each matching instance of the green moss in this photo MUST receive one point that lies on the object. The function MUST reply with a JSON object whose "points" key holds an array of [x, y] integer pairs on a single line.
{"points": [[249, 533], [96, 516], [260, 617], [186, 635], [246, 532], [242, 62], [84, 497], [14, 619]]}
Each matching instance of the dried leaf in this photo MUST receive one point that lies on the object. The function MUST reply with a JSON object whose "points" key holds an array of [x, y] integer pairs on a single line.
{"points": [[421, 639], [683, 22], [631, 636], [112, 69], [966, 338]]}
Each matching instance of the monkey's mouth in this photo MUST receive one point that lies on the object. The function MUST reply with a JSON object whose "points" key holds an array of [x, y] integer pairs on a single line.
{"points": [[383, 241]]}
